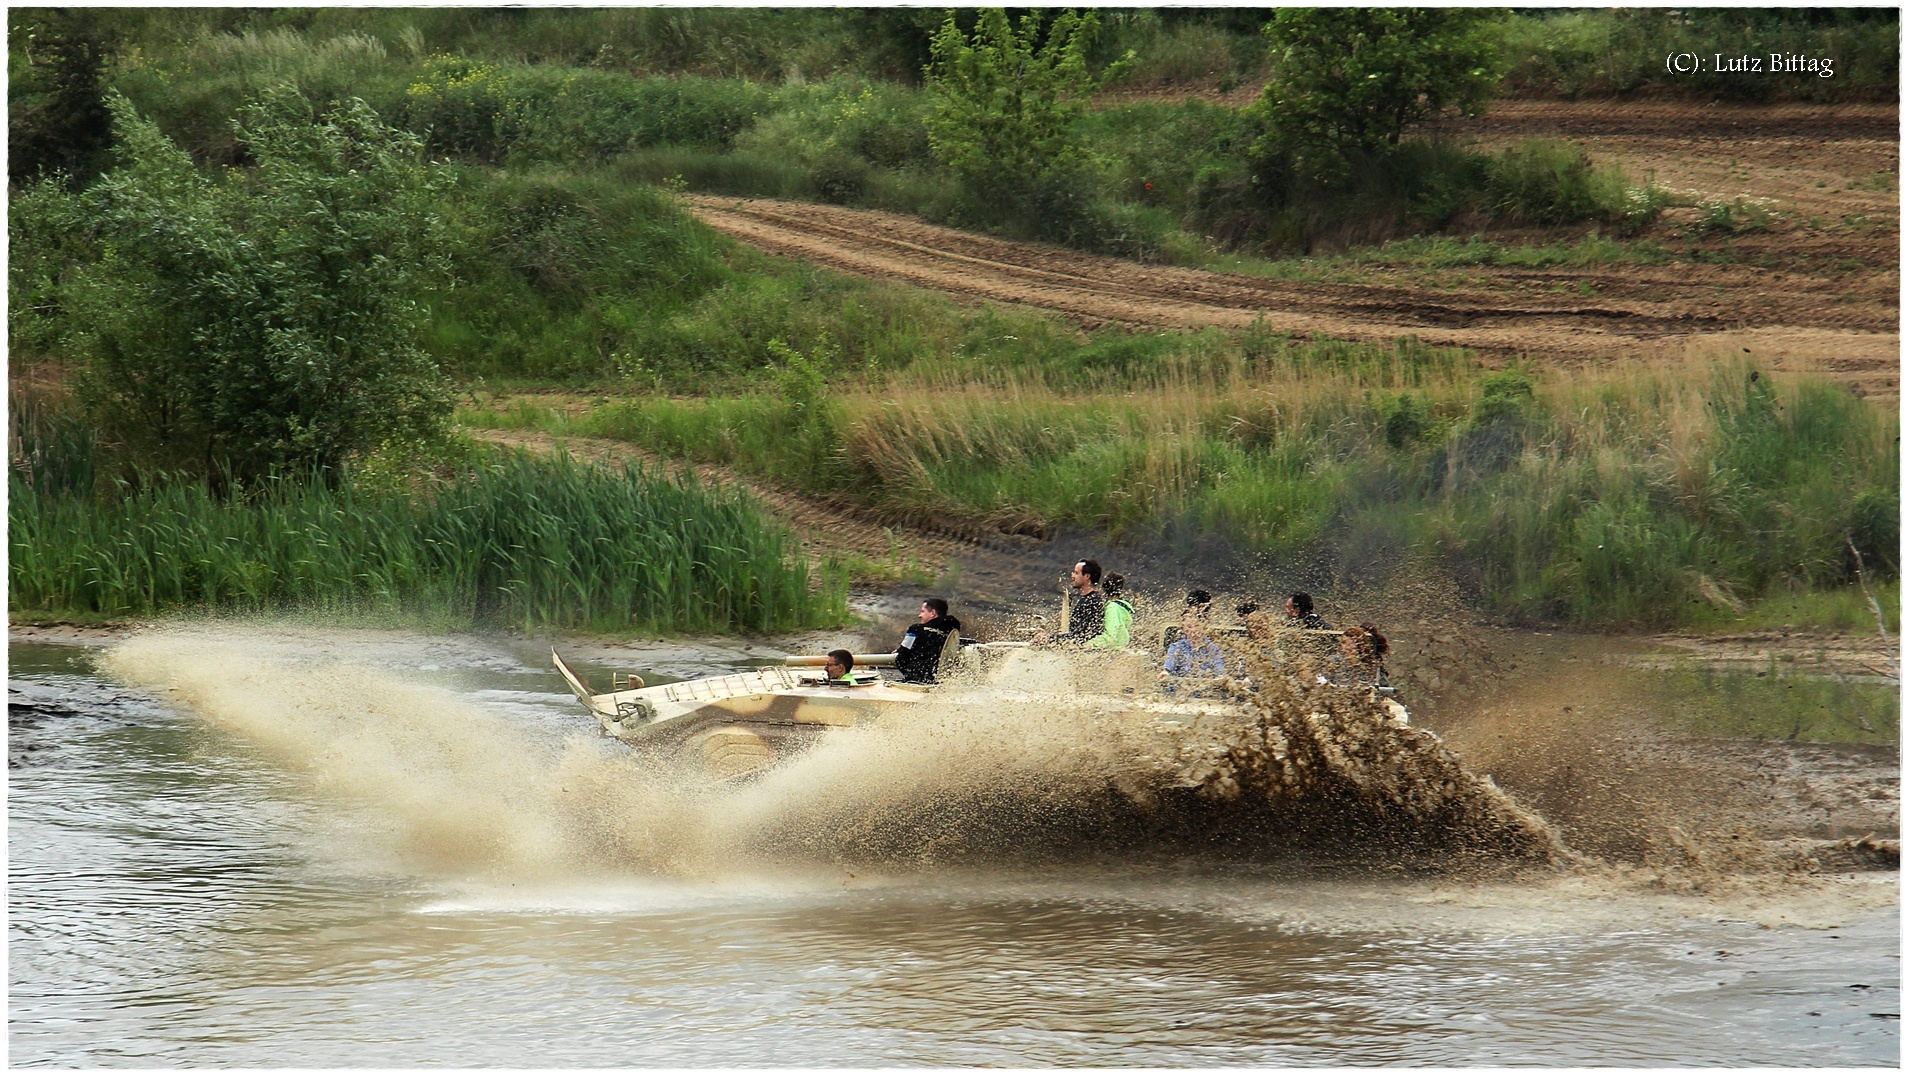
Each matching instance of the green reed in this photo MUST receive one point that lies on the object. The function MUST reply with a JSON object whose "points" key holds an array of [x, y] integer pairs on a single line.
{"points": [[535, 544]]}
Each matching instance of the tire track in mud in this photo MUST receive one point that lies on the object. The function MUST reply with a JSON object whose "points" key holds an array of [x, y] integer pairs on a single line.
{"points": [[1820, 299], [1095, 288]]}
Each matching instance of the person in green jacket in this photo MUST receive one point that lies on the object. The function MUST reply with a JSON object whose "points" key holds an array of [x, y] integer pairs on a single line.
{"points": [[840, 669], [1118, 630]]}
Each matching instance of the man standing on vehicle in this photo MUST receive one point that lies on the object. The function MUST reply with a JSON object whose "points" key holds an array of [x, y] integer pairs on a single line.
{"points": [[919, 655], [1086, 617]]}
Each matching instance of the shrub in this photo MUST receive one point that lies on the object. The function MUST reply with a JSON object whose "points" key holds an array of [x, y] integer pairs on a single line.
{"points": [[269, 319], [497, 112], [838, 134], [58, 123], [192, 91], [1407, 417], [1005, 106], [1546, 182], [1347, 82]]}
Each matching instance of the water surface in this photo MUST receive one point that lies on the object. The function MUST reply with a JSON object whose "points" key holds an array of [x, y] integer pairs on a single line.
{"points": [[184, 894]]}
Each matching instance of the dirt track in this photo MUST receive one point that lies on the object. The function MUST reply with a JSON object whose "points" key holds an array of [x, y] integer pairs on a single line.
{"points": [[1817, 293]]}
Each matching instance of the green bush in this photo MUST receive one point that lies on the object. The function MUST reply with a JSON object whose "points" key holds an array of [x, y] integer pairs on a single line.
{"points": [[1185, 46], [496, 112], [58, 121], [1549, 182], [268, 319], [1005, 104], [1347, 82], [1407, 419], [194, 88]]}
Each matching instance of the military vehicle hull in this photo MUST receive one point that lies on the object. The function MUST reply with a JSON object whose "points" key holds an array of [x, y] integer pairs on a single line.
{"points": [[736, 724]]}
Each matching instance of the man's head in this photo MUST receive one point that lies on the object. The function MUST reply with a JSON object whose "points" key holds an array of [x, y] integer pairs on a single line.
{"points": [[1199, 600], [1194, 628], [1258, 626], [839, 662], [1086, 574], [933, 607], [1299, 604], [1244, 609], [1354, 646]]}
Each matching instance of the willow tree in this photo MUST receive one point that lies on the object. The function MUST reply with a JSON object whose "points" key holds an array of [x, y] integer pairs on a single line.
{"points": [[263, 318]]}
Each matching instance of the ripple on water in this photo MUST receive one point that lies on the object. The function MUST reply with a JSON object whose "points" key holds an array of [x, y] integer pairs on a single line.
{"points": [[184, 891]]}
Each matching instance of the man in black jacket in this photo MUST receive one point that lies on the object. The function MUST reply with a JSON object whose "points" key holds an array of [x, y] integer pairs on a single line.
{"points": [[1298, 614], [1086, 616], [919, 655]]}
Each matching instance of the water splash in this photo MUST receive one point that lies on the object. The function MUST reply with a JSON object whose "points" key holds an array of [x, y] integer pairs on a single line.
{"points": [[1007, 771]]}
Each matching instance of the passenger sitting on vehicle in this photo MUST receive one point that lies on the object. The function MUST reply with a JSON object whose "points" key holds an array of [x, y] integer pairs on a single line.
{"points": [[1258, 626], [1086, 617], [840, 668], [1193, 653], [919, 654], [1364, 651], [1119, 616], [1298, 614], [1199, 601]]}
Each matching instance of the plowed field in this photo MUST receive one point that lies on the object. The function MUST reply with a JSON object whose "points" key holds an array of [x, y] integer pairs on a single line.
{"points": [[1818, 291]]}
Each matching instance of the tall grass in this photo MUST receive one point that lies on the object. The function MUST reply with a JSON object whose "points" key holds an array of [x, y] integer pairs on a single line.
{"points": [[1635, 495], [52, 451], [535, 544]]}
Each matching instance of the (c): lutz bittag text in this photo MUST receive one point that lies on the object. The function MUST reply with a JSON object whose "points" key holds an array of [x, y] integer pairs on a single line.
{"points": [[1775, 63]]}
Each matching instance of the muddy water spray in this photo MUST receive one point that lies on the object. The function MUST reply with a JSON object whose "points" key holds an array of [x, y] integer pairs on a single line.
{"points": [[1007, 770]]}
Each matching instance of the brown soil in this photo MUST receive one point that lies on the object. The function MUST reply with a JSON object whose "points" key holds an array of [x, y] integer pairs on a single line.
{"points": [[1817, 292], [1861, 657]]}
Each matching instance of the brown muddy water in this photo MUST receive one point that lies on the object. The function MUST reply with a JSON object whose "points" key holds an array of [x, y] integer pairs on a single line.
{"points": [[250, 846]]}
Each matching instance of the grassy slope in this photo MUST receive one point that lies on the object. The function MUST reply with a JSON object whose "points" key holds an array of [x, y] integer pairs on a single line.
{"points": [[587, 276]]}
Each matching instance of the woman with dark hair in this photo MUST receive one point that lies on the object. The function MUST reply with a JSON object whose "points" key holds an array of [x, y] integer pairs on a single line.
{"points": [[1118, 629], [1364, 649]]}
